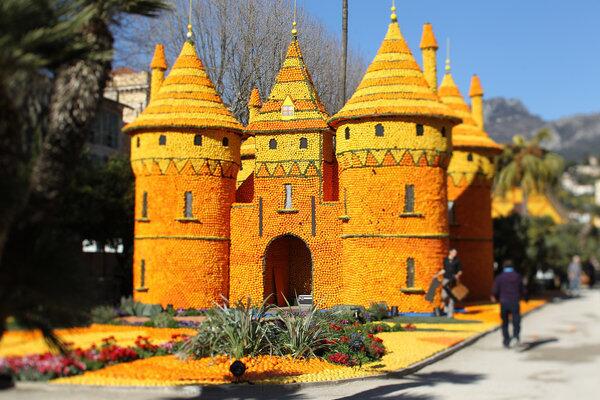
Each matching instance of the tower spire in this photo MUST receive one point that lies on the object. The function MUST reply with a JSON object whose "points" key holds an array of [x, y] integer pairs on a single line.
{"points": [[394, 17], [448, 55], [294, 30], [189, 33]]}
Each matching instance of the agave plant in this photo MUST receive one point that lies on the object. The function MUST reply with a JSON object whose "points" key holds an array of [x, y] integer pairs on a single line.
{"points": [[301, 334], [237, 331]]}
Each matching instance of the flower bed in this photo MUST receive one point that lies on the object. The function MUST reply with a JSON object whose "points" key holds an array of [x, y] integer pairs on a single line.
{"points": [[20, 343], [40, 367]]}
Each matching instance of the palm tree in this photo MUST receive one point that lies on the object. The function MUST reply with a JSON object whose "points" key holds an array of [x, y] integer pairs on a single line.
{"points": [[527, 166], [344, 49], [53, 68]]}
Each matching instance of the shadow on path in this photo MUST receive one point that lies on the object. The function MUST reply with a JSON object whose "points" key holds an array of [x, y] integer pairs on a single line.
{"points": [[526, 346], [413, 381], [383, 390]]}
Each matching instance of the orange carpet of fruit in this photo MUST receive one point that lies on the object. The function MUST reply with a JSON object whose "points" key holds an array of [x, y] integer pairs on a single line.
{"points": [[403, 350], [19, 343]]}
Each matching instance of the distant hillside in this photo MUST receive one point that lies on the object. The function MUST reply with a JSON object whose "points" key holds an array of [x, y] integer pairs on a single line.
{"points": [[575, 136]]}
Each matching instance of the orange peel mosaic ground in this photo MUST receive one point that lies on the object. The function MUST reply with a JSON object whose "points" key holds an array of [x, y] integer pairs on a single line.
{"points": [[403, 350]]}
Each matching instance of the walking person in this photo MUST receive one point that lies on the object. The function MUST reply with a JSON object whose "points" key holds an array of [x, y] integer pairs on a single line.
{"points": [[508, 291], [574, 275], [451, 273]]}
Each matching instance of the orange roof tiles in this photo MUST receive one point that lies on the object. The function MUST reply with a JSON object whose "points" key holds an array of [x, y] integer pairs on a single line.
{"points": [[394, 85], [466, 134], [255, 100], [476, 89], [428, 38], [294, 82], [186, 99], [159, 61]]}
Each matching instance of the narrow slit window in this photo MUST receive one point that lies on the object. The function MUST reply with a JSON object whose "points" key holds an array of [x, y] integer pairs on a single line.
{"points": [[288, 196], [162, 140], [145, 205], [409, 199], [198, 140], [225, 142], [451, 213], [187, 209], [444, 132], [303, 143], [272, 144], [470, 157], [379, 130], [420, 130], [347, 133], [137, 142], [410, 272], [143, 274]]}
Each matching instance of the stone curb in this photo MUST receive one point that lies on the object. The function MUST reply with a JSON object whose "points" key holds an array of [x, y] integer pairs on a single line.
{"points": [[196, 390]]}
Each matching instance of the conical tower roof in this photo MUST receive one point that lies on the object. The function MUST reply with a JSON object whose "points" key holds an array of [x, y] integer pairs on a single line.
{"points": [[467, 134], [293, 86], [394, 85], [254, 100], [186, 99]]}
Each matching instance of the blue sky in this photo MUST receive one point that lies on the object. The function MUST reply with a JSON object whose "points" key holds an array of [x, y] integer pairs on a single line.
{"points": [[544, 52]]}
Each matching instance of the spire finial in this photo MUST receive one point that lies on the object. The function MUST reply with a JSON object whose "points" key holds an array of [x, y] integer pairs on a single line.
{"points": [[447, 55], [394, 17], [294, 30], [189, 33]]}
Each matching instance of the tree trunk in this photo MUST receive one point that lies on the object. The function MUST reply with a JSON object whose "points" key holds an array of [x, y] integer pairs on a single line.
{"points": [[525, 211], [344, 49]]}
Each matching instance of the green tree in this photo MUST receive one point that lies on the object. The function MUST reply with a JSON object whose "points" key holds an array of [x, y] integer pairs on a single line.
{"points": [[527, 166], [55, 60]]}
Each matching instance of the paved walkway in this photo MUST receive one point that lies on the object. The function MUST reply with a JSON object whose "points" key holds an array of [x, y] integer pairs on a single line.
{"points": [[560, 360]]}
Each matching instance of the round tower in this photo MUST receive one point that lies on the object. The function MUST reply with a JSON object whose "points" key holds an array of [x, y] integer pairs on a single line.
{"points": [[393, 139], [185, 154], [470, 176]]}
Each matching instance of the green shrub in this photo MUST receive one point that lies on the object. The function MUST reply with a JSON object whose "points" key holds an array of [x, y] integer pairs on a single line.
{"points": [[103, 314], [348, 313], [134, 308], [238, 331], [378, 311], [300, 334], [163, 320]]}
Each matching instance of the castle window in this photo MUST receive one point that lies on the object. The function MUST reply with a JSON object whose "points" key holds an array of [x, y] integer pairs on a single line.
{"points": [[187, 209], [143, 274], [287, 110], [420, 130], [379, 130], [410, 272], [451, 213], [470, 157], [409, 199], [198, 140], [145, 205], [347, 133], [162, 140], [444, 132], [303, 143], [288, 197], [137, 142], [225, 141], [272, 144]]}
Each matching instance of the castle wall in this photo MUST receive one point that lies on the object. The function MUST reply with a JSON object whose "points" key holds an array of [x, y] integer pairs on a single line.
{"points": [[256, 225], [471, 232], [185, 256], [380, 235]]}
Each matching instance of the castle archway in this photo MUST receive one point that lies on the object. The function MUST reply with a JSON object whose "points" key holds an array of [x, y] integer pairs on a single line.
{"points": [[287, 270]]}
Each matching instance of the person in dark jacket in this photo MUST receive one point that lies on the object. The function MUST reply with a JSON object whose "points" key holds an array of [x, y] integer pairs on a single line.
{"points": [[451, 273], [508, 291]]}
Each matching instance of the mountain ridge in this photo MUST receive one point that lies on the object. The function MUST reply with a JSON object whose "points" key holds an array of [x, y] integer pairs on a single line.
{"points": [[575, 136]]}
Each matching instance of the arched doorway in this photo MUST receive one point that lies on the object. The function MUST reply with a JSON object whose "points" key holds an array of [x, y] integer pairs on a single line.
{"points": [[287, 270]]}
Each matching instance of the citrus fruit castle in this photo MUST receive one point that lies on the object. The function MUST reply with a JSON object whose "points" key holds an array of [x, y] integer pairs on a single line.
{"points": [[354, 208]]}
